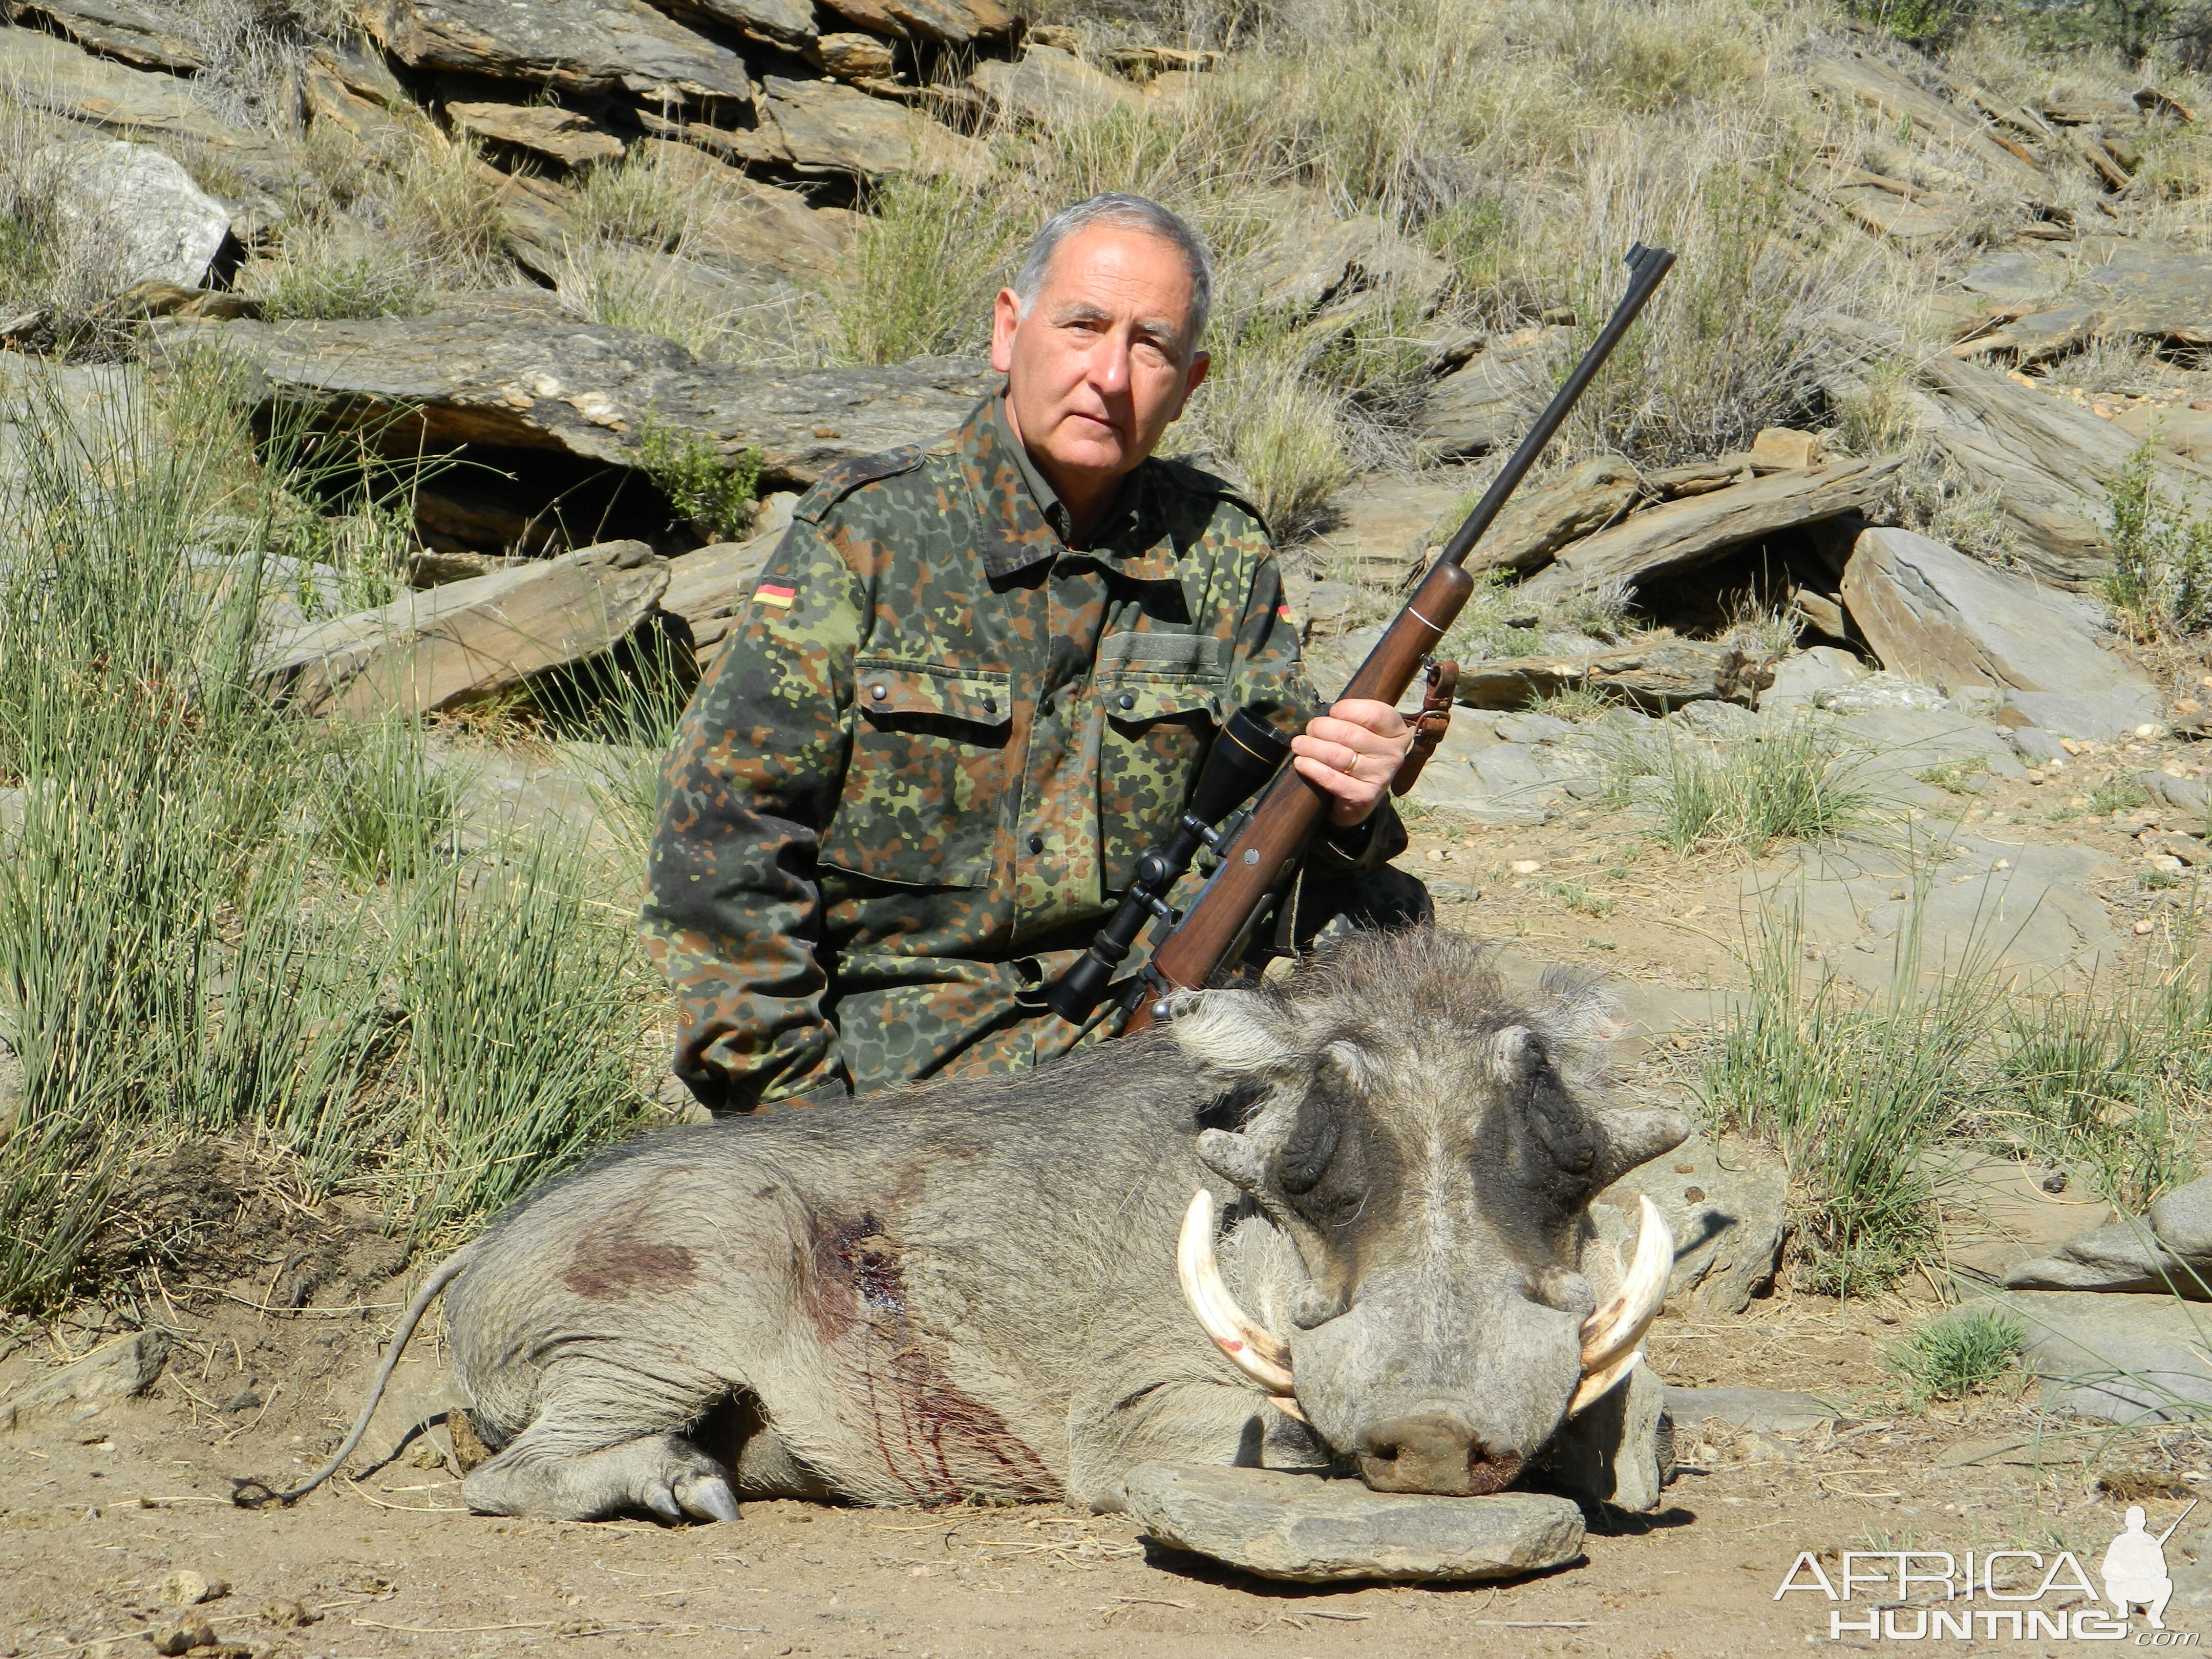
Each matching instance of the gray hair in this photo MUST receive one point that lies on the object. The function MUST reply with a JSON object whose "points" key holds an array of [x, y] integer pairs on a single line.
{"points": [[1114, 207]]}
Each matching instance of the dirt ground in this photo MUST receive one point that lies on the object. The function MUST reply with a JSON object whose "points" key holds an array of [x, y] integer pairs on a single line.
{"points": [[94, 1516], [278, 1307]]}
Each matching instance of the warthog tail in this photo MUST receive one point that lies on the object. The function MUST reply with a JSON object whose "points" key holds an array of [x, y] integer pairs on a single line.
{"points": [[440, 1276]]}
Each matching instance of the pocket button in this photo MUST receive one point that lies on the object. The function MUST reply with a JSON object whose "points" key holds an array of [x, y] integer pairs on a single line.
{"points": [[1036, 843], [1128, 702], [880, 692]]}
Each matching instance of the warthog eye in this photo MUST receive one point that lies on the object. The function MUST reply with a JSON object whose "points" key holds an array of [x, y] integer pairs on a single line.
{"points": [[1311, 1144]]}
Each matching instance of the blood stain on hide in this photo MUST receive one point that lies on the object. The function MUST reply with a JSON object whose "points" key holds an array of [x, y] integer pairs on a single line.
{"points": [[938, 1442], [614, 1260]]}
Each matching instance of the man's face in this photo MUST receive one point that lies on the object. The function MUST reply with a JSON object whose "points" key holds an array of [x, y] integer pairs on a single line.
{"points": [[1100, 365]]}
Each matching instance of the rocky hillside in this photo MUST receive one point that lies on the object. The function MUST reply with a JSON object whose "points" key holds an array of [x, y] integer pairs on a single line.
{"points": [[595, 269]]}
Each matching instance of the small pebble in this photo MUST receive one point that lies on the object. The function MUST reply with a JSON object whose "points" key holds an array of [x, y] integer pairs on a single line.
{"points": [[1525, 866], [186, 1589], [286, 1615], [182, 1637], [2146, 925]]}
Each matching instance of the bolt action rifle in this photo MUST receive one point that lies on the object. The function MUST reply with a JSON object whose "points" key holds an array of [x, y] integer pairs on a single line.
{"points": [[1260, 848]]}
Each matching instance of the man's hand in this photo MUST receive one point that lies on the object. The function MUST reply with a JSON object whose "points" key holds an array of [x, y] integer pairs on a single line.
{"points": [[1351, 754]]}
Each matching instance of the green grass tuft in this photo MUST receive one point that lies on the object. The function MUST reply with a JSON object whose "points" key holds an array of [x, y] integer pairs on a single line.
{"points": [[1957, 1354]]}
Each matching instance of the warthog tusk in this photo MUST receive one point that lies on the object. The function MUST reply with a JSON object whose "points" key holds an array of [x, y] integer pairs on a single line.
{"points": [[1612, 1336], [1251, 1346]]}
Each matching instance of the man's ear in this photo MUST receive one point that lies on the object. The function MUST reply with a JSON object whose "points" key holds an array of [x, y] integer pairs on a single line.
{"points": [[1193, 378], [1005, 317]]}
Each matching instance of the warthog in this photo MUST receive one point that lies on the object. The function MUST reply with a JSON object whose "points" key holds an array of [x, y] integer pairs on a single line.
{"points": [[970, 1288]]}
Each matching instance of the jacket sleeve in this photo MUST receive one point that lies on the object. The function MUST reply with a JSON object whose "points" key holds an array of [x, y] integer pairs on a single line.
{"points": [[733, 912], [1269, 676]]}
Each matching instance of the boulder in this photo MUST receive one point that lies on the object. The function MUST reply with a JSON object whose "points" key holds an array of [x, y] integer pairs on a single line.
{"points": [[564, 135], [750, 228], [708, 587], [575, 46], [787, 25], [50, 74], [1932, 613], [1799, 680], [2117, 1358], [1493, 399], [2186, 432], [1660, 672], [114, 1371], [1536, 523], [152, 222], [2168, 1252], [1052, 88], [529, 381], [1380, 528], [1315, 1530], [467, 640], [1682, 535], [947, 23], [1728, 1217]]}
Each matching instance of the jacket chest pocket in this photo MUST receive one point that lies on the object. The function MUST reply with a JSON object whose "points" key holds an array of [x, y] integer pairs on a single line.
{"points": [[927, 778], [1157, 729]]}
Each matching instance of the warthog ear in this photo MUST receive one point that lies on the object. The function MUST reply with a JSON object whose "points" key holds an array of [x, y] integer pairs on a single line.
{"points": [[1628, 1138], [1233, 1030]]}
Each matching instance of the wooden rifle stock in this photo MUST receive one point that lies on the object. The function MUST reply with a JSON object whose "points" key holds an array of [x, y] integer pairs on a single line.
{"points": [[1267, 851]]}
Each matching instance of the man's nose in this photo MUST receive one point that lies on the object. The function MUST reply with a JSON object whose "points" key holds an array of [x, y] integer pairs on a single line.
{"points": [[1109, 367]]}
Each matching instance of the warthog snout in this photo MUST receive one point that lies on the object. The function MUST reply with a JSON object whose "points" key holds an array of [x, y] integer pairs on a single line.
{"points": [[1435, 1452]]}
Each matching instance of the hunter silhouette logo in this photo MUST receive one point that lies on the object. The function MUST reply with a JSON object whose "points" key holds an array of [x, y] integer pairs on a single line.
{"points": [[1927, 1594], [2134, 1568]]}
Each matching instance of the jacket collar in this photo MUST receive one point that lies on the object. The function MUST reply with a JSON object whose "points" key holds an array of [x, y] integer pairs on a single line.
{"points": [[1021, 522]]}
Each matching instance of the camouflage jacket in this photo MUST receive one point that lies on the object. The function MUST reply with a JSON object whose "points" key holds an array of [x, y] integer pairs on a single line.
{"points": [[916, 779]]}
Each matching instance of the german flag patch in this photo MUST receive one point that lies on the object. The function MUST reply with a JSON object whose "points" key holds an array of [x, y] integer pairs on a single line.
{"points": [[776, 596]]}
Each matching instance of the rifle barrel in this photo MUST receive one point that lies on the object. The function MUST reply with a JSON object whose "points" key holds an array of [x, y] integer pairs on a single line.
{"points": [[1267, 851], [1647, 267]]}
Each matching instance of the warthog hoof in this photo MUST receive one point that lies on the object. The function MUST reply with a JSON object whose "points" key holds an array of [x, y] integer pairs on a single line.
{"points": [[663, 1473]]}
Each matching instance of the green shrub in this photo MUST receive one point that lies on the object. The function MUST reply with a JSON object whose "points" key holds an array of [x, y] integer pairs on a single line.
{"points": [[1958, 1354], [702, 483], [2162, 578]]}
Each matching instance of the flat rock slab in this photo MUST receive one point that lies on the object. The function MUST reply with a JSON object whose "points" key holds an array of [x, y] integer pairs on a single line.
{"points": [[1320, 1531], [1934, 614], [2100, 287], [448, 646], [1681, 535], [530, 382], [2021, 910], [577, 45], [2048, 465], [1772, 1411], [2118, 1359], [51, 74]]}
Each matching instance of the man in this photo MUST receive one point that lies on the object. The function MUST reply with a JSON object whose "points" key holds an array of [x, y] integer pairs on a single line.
{"points": [[974, 682]]}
